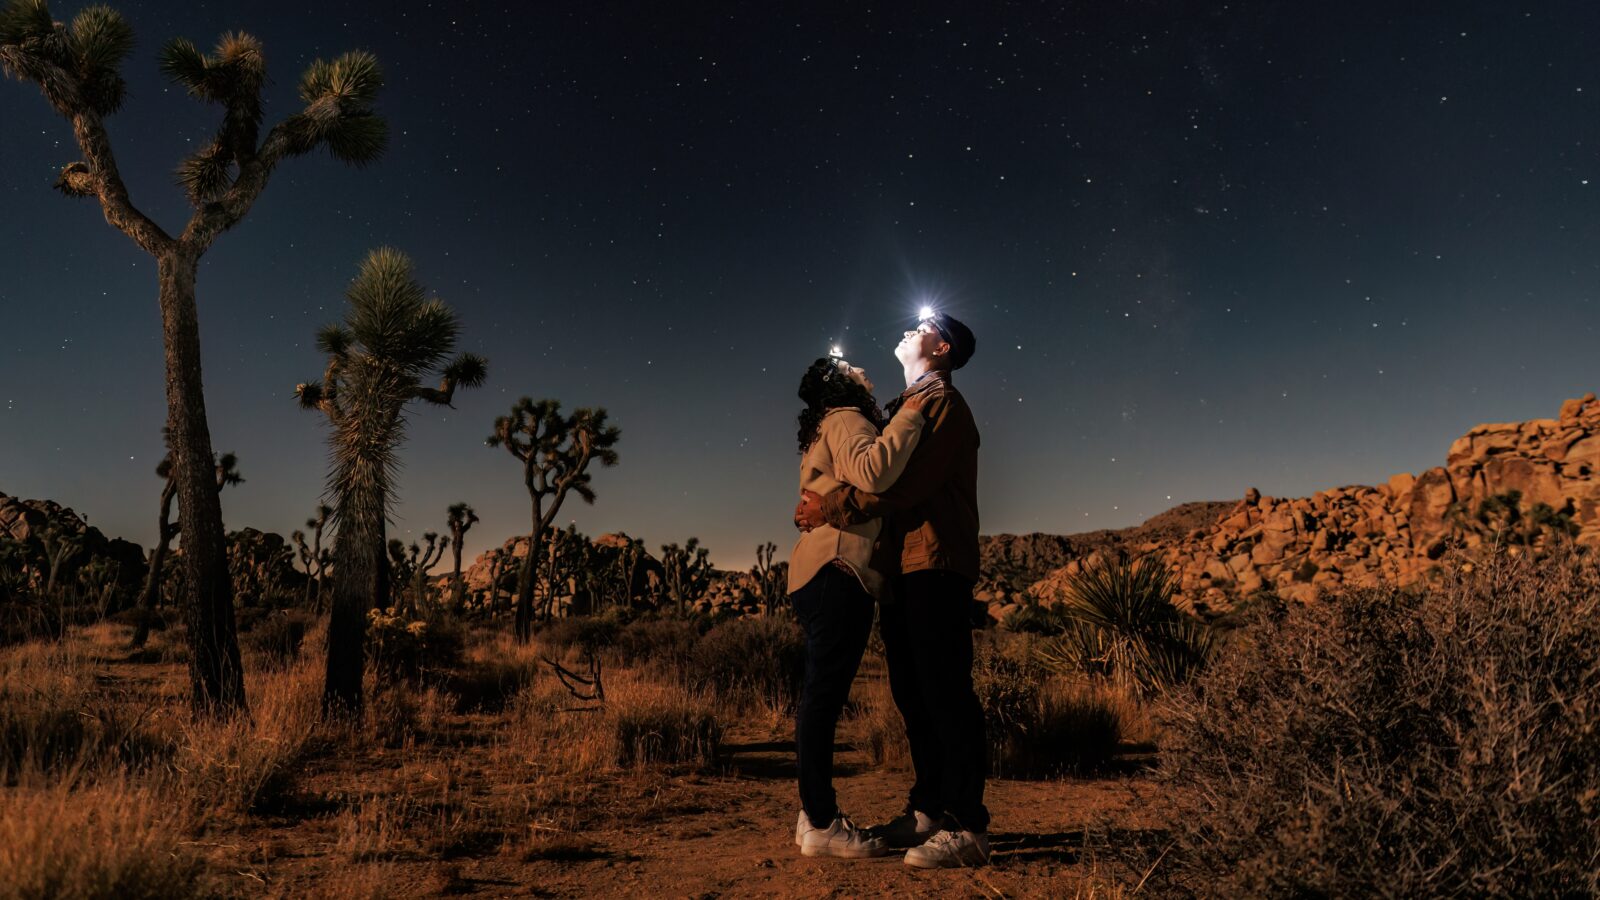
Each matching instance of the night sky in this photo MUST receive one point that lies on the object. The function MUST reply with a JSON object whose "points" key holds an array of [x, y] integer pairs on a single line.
{"points": [[1203, 247]]}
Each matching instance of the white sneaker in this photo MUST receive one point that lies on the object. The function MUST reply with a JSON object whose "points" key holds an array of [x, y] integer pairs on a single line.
{"points": [[906, 830], [951, 850], [841, 838]]}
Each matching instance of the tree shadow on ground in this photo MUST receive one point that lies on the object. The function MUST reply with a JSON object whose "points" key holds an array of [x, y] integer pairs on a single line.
{"points": [[776, 760], [1069, 847]]}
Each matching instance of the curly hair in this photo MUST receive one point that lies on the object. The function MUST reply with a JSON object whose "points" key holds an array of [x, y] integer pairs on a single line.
{"points": [[825, 386]]}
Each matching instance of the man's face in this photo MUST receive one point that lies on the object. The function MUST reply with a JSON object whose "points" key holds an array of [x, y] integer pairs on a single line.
{"points": [[922, 343]]}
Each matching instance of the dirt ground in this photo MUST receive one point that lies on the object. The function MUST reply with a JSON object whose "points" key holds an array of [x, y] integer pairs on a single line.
{"points": [[726, 833], [429, 818]]}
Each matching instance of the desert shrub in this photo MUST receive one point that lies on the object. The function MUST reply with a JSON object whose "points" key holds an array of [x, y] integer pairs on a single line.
{"points": [[1009, 694], [488, 685], [1076, 727], [1035, 618], [752, 659], [1386, 743], [666, 643], [662, 726], [108, 840], [405, 647], [277, 636], [1121, 625], [398, 711], [584, 634]]}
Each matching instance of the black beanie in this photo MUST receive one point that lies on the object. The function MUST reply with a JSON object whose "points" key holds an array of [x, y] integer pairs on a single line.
{"points": [[958, 336]]}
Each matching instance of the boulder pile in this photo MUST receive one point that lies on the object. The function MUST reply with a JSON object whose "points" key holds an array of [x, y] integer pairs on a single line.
{"points": [[1519, 483]]}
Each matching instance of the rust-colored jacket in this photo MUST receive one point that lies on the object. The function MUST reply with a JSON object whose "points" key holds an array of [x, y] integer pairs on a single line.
{"points": [[931, 512]]}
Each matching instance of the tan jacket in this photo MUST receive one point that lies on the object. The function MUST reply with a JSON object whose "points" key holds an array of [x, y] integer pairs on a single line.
{"points": [[931, 511], [849, 451]]}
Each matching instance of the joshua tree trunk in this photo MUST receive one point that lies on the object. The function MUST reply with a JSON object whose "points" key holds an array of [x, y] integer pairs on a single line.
{"points": [[215, 673], [158, 558], [360, 577], [458, 601], [525, 579]]}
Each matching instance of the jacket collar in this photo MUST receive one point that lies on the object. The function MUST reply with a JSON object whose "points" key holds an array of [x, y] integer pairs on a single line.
{"points": [[926, 382]]}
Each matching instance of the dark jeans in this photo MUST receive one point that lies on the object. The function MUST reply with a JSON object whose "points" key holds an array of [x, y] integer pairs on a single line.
{"points": [[927, 642], [836, 613]]}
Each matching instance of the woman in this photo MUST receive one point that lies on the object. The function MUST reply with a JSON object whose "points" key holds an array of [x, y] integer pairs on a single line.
{"points": [[832, 583]]}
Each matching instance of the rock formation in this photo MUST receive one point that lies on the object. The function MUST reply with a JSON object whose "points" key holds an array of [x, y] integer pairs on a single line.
{"points": [[1519, 483], [27, 522]]}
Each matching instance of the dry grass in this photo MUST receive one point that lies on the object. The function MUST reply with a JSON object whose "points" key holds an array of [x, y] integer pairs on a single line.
{"points": [[110, 839]]}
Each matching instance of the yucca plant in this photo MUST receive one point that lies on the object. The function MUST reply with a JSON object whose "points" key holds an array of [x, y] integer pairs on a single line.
{"points": [[1121, 624], [555, 452], [392, 338], [77, 66]]}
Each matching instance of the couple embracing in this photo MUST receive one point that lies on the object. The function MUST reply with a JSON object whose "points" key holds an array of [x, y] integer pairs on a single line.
{"points": [[890, 521]]}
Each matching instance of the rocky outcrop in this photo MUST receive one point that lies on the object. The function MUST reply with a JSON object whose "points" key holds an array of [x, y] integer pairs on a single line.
{"points": [[30, 525], [1521, 483]]}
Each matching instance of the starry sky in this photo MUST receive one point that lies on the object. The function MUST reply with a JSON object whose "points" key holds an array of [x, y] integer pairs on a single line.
{"points": [[1203, 246]]}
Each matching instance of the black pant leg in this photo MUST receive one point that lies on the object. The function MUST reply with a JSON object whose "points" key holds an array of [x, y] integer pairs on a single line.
{"points": [[905, 686], [836, 613], [939, 628]]}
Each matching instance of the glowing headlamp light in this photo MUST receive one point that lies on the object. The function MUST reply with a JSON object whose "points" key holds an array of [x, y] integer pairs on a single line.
{"points": [[836, 352], [927, 315]]}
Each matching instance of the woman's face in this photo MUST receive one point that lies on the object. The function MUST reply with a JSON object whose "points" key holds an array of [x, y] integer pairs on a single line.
{"points": [[856, 374]]}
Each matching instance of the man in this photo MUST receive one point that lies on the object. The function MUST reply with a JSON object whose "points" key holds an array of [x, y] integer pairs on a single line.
{"points": [[931, 525]]}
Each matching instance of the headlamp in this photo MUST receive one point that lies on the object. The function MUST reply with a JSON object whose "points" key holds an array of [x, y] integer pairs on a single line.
{"points": [[836, 352], [929, 315]]}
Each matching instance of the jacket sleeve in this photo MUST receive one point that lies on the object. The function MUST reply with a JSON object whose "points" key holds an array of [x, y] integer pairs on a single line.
{"points": [[849, 505], [870, 461]]}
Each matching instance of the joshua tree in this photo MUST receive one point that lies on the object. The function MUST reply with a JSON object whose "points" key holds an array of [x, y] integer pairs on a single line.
{"points": [[61, 546], [318, 556], [625, 570], [78, 69], [555, 452], [392, 338], [227, 472], [423, 559], [686, 571], [497, 562], [768, 584], [460, 518]]}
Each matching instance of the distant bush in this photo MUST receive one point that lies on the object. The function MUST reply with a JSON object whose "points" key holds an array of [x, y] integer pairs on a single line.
{"points": [[405, 647], [580, 633], [1386, 743], [277, 637], [666, 643], [760, 658], [663, 728], [1039, 725], [1036, 724]]}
